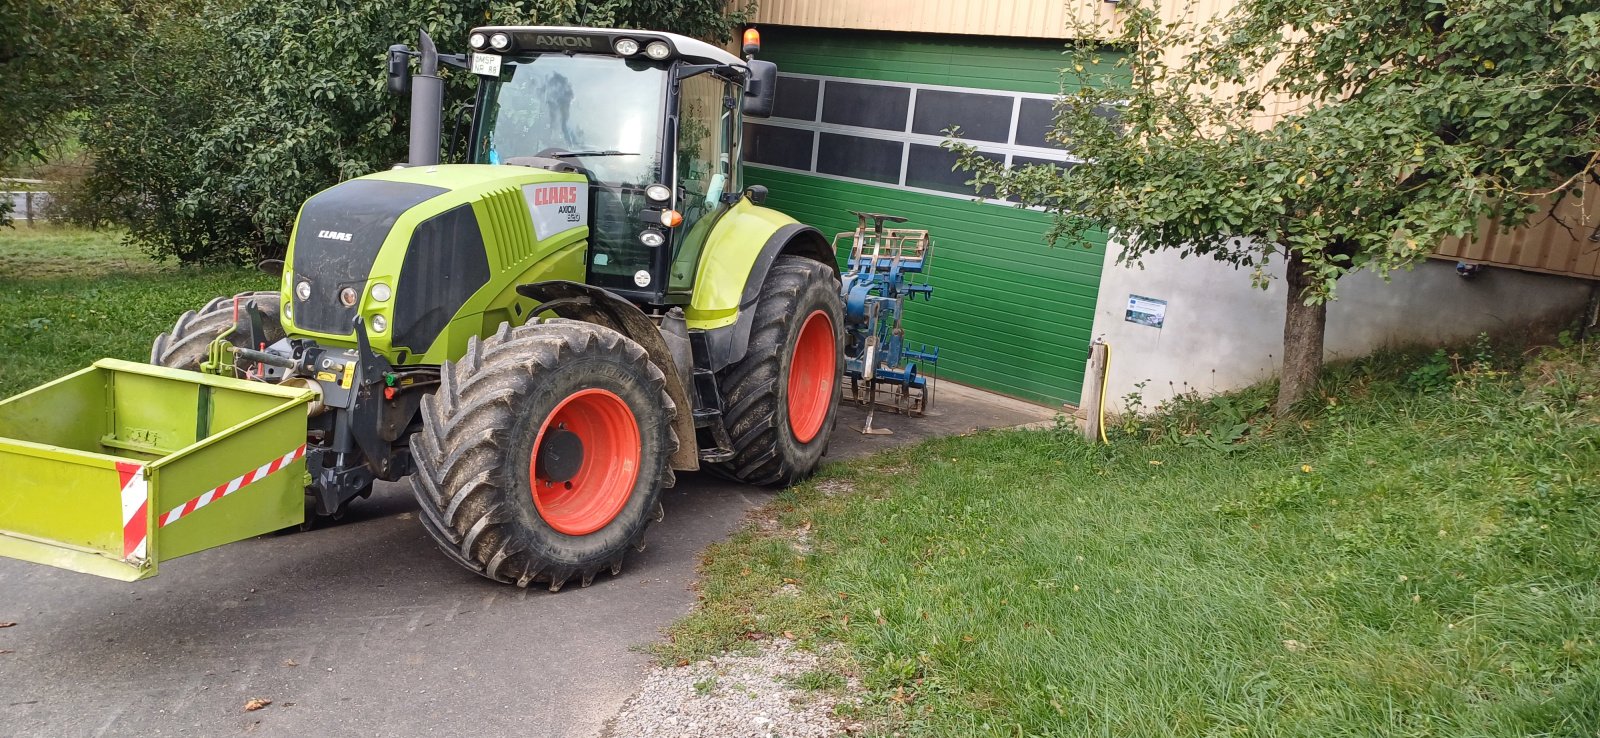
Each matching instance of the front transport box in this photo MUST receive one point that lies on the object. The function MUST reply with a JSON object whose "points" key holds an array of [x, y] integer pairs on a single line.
{"points": [[119, 467]]}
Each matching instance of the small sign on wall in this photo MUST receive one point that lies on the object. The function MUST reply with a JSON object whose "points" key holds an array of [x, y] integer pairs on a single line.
{"points": [[1146, 311]]}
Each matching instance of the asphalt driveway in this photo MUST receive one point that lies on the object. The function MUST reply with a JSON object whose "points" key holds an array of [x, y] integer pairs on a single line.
{"points": [[364, 628]]}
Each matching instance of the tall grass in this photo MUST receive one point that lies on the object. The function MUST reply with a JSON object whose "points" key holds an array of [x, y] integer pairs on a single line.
{"points": [[69, 297], [1411, 561]]}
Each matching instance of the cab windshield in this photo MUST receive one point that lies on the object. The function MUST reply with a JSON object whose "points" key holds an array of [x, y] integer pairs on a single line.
{"points": [[601, 113]]}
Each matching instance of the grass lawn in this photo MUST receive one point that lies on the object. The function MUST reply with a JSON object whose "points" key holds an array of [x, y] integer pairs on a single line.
{"points": [[69, 297], [1421, 558]]}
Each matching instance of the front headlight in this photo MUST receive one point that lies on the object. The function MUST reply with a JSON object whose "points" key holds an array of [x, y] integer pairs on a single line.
{"points": [[379, 324], [302, 291]]}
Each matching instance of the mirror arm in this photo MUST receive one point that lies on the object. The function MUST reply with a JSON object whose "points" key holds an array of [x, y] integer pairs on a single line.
{"points": [[690, 70]]}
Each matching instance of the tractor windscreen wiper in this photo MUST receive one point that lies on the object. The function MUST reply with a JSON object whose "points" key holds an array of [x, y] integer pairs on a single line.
{"points": [[566, 154]]}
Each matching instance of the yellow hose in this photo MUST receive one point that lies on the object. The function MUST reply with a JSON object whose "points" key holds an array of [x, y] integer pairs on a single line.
{"points": [[1105, 377]]}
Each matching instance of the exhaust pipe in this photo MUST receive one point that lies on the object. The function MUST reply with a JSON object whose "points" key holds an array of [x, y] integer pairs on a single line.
{"points": [[427, 106]]}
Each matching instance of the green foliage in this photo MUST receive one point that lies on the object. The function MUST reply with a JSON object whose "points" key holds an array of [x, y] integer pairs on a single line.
{"points": [[1416, 120], [52, 59], [1444, 369], [1433, 374], [1412, 564], [1408, 121], [49, 52], [231, 116]]}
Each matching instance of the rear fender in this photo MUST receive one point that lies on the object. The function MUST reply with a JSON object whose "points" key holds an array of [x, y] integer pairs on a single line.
{"points": [[733, 268], [578, 301]]}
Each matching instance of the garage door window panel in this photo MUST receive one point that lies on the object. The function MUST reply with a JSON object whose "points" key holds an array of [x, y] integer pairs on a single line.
{"points": [[933, 168], [779, 146], [858, 157], [797, 98], [865, 105], [892, 133], [980, 117]]}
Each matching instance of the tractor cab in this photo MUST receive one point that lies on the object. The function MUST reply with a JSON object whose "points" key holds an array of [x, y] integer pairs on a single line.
{"points": [[651, 119]]}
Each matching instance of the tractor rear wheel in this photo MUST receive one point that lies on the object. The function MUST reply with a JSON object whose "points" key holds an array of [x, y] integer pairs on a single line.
{"points": [[189, 341], [780, 399], [543, 453]]}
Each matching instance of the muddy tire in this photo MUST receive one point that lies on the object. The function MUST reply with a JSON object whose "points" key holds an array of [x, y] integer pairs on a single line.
{"points": [[543, 453], [780, 400], [187, 344]]}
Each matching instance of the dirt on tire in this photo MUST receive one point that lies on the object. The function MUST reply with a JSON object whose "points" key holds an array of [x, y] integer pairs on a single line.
{"points": [[755, 388], [189, 341], [473, 479]]}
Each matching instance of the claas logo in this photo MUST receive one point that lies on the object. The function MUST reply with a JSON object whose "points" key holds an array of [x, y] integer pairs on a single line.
{"points": [[562, 195]]}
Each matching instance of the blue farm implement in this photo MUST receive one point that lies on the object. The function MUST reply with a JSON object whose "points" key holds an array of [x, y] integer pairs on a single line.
{"points": [[887, 267]]}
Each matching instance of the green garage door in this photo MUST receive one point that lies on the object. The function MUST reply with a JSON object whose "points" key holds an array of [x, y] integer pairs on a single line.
{"points": [[857, 127]]}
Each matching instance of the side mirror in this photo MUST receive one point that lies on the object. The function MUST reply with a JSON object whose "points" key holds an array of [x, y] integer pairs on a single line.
{"points": [[399, 69], [761, 89]]}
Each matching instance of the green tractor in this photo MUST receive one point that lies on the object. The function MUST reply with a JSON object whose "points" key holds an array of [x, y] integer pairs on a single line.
{"points": [[540, 337]]}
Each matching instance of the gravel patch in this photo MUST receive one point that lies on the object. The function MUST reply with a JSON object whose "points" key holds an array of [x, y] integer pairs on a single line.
{"points": [[734, 696]]}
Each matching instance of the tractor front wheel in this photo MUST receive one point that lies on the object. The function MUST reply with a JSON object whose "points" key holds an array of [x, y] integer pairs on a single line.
{"points": [[189, 341], [781, 398], [543, 453]]}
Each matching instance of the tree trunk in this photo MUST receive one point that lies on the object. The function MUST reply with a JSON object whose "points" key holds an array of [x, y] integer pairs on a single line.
{"points": [[1303, 327]]}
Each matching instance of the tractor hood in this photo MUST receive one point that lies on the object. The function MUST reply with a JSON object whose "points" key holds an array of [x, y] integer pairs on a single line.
{"points": [[434, 235]]}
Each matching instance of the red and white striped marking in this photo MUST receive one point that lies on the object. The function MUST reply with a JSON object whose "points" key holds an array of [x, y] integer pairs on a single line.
{"points": [[135, 504], [233, 485]]}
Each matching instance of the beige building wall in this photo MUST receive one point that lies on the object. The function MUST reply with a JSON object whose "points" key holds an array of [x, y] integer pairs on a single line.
{"points": [[1221, 334]]}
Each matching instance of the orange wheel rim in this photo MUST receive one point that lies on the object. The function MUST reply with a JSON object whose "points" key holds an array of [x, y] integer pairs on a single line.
{"points": [[585, 462], [811, 376]]}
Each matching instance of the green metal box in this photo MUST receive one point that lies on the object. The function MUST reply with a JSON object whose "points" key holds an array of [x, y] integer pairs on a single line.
{"points": [[121, 466]]}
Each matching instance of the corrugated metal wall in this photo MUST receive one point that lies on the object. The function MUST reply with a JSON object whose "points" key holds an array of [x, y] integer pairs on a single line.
{"points": [[1015, 18], [1568, 243]]}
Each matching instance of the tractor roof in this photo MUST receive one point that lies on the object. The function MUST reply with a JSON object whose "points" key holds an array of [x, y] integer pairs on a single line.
{"points": [[542, 38]]}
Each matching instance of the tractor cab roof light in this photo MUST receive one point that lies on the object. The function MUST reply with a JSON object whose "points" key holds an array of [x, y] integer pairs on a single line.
{"points": [[500, 41], [752, 42], [657, 50], [626, 47], [478, 41]]}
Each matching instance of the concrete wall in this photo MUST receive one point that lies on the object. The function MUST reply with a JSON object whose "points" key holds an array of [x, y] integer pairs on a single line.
{"points": [[1221, 333]]}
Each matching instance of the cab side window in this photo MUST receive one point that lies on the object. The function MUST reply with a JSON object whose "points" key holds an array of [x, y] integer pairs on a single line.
{"points": [[707, 120]]}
